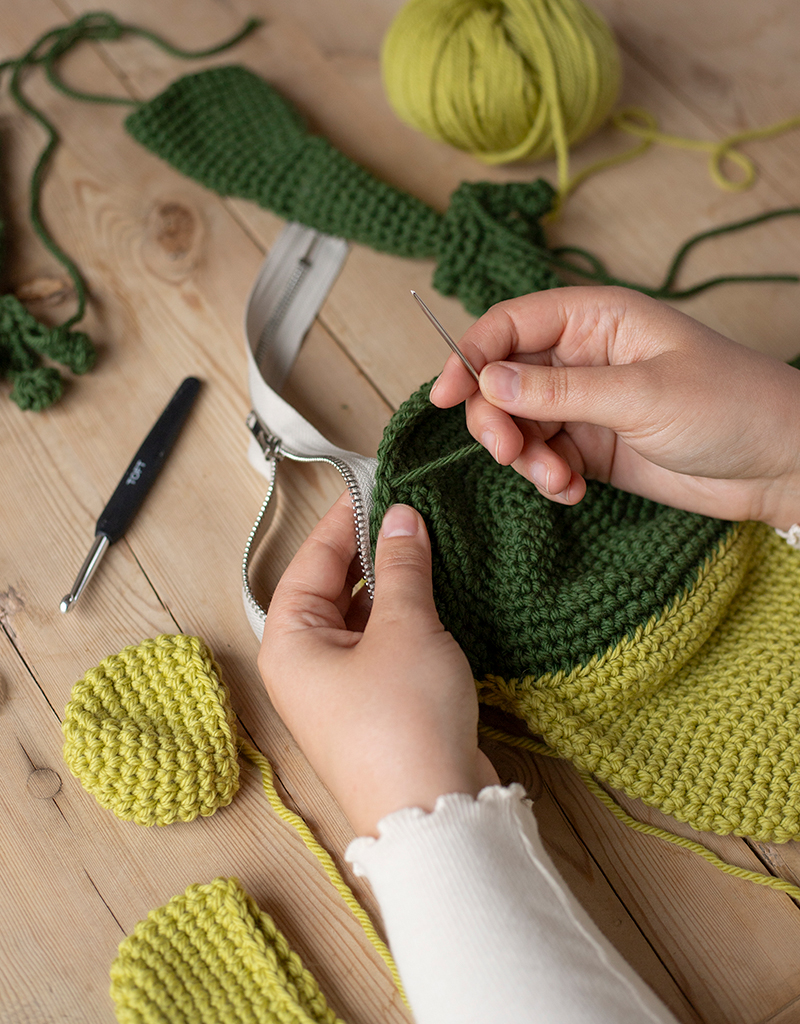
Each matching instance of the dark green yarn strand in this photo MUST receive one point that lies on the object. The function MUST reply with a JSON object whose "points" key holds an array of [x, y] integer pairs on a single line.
{"points": [[22, 338], [666, 290], [527, 586], [92, 27]]}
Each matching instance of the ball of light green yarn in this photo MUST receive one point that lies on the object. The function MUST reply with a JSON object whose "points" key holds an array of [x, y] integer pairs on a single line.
{"points": [[503, 79]]}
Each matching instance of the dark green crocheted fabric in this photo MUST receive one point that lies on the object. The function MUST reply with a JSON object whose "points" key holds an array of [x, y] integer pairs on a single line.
{"points": [[231, 131], [23, 340], [525, 585]]}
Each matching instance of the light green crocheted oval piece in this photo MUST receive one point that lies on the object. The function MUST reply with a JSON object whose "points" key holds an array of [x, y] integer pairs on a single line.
{"points": [[151, 734], [211, 956]]}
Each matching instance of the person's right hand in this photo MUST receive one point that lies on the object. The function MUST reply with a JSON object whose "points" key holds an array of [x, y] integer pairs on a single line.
{"points": [[607, 384]]}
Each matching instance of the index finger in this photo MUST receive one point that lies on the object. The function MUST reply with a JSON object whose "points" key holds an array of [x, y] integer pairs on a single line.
{"points": [[528, 324]]}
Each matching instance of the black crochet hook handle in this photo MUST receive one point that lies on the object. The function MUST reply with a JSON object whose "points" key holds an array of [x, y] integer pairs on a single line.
{"points": [[140, 475]]}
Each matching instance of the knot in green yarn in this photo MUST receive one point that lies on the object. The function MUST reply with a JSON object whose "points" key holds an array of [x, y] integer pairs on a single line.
{"points": [[23, 339], [491, 244], [72, 349], [36, 389]]}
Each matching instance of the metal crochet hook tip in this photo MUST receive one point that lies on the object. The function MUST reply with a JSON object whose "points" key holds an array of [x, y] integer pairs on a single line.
{"points": [[96, 552], [447, 337]]}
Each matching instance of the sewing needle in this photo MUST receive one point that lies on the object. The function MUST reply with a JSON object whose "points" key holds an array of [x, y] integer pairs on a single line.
{"points": [[446, 337]]}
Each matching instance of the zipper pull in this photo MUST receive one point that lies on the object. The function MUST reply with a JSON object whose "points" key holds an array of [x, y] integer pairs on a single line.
{"points": [[270, 444]]}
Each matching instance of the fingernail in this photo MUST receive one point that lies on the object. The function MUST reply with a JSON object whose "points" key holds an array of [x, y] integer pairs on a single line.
{"points": [[433, 389], [540, 475], [501, 381], [400, 521], [490, 442]]}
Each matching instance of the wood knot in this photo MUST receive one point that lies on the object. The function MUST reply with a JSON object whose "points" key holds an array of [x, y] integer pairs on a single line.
{"points": [[43, 784], [173, 235], [11, 604], [175, 227]]}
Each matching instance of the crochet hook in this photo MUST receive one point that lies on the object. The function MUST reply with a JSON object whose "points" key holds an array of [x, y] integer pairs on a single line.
{"points": [[446, 337], [137, 480]]}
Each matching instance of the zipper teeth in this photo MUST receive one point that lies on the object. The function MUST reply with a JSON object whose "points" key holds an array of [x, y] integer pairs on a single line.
{"points": [[359, 511], [303, 266]]}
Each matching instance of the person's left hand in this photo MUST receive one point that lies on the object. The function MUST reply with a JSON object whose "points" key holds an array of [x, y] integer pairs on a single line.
{"points": [[381, 701]]}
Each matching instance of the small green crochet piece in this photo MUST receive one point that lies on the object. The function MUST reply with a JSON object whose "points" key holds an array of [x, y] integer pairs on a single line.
{"points": [[231, 131], [23, 340], [151, 734], [211, 956]]}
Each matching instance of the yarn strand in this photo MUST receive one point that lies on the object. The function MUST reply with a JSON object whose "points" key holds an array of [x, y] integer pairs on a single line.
{"points": [[666, 289], [22, 338], [324, 858], [608, 801]]}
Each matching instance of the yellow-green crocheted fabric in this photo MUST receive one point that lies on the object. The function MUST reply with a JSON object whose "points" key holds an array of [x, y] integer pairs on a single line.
{"points": [[151, 734], [654, 648], [211, 956]]}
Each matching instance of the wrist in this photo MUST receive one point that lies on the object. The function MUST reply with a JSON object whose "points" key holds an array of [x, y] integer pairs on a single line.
{"points": [[421, 792]]}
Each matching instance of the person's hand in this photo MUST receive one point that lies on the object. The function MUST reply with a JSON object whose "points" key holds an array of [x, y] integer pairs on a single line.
{"points": [[381, 701], [605, 383]]}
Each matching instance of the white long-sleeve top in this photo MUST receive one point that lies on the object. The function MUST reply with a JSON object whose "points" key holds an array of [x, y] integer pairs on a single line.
{"points": [[482, 927]]}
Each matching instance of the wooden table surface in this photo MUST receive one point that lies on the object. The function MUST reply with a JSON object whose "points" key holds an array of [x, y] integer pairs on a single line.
{"points": [[169, 265]]}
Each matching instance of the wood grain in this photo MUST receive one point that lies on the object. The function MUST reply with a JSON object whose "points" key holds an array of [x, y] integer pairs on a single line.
{"points": [[169, 265]]}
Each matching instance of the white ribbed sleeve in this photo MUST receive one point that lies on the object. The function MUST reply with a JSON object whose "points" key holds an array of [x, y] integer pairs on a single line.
{"points": [[482, 927]]}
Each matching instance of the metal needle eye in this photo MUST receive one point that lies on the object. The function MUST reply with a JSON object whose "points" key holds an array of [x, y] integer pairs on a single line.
{"points": [[447, 337]]}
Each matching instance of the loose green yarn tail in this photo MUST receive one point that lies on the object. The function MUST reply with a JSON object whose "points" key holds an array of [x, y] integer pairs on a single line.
{"points": [[594, 787], [667, 290], [22, 338]]}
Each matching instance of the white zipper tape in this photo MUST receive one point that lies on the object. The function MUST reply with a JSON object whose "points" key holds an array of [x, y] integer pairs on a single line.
{"points": [[287, 294]]}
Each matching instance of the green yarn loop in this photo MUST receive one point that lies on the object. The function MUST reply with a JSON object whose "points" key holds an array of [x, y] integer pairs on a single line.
{"points": [[21, 337]]}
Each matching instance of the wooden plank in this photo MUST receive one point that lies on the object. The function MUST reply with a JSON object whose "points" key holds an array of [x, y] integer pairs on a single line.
{"points": [[169, 267]]}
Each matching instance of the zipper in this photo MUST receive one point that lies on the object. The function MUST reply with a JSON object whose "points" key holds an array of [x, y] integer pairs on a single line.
{"points": [[273, 450]]}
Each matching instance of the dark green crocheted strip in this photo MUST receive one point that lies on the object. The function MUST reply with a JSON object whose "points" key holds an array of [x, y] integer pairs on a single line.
{"points": [[230, 130], [527, 586]]}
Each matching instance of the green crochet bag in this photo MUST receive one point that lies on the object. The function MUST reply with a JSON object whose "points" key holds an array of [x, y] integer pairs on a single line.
{"points": [[654, 648]]}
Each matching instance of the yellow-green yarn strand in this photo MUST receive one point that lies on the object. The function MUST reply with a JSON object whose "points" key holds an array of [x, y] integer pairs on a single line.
{"points": [[687, 844], [641, 123], [504, 80], [324, 858], [594, 787]]}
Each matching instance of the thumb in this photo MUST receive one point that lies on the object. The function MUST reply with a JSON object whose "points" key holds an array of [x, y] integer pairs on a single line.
{"points": [[403, 586], [608, 396]]}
